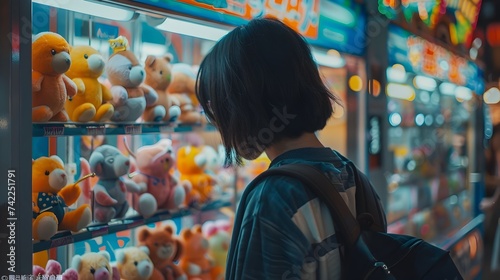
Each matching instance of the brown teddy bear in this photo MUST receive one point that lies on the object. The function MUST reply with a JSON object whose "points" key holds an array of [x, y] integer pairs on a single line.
{"points": [[50, 87], [165, 249], [90, 102], [159, 76], [195, 260], [182, 88]]}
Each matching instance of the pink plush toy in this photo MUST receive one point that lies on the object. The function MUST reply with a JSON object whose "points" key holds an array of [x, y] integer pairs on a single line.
{"points": [[53, 268], [154, 164]]}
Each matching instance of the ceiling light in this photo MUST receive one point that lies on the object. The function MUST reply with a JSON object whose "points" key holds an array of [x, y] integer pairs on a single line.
{"points": [[192, 29], [90, 8]]}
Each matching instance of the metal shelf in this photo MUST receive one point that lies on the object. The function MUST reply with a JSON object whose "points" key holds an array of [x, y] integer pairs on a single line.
{"points": [[96, 230], [76, 129]]}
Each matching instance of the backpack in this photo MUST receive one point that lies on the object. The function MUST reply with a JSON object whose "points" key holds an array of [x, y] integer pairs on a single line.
{"points": [[369, 252]]}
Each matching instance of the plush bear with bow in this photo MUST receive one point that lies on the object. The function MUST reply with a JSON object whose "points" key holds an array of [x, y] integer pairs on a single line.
{"points": [[51, 197], [154, 165]]}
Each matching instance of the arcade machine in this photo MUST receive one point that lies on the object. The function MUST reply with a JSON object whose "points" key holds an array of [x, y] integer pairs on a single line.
{"points": [[427, 170]]}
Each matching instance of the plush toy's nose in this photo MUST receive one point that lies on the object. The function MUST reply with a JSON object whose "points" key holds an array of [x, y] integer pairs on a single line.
{"points": [[61, 62], [63, 175], [127, 163]]}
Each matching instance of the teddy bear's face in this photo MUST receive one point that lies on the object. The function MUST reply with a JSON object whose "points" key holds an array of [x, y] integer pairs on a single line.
{"points": [[134, 263], [108, 162], [158, 72], [48, 175], [93, 266], [86, 62], [50, 54], [191, 160], [155, 159], [123, 69], [162, 244], [194, 243]]}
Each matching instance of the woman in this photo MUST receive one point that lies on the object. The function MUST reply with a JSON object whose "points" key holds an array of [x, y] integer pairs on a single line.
{"points": [[260, 87]]}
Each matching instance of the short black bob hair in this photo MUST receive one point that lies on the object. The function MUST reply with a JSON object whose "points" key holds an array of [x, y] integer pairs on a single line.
{"points": [[260, 84]]}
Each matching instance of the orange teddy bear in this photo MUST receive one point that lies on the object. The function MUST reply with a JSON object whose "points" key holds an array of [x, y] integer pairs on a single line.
{"points": [[50, 87], [164, 250], [195, 260], [191, 163]]}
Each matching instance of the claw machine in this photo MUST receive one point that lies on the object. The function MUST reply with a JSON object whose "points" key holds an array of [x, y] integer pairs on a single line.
{"points": [[432, 117]]}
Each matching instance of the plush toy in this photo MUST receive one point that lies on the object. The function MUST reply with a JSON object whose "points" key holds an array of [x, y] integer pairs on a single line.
{"points": [[110, 191], [89, 104], [219, 240], [154, 164], [158, 77], [50, 87], [94, 266], [50, 197], [191, 164], [54, 269], [133, 263], [126, 75], [182, 89], [195, 260], [164, 250]]}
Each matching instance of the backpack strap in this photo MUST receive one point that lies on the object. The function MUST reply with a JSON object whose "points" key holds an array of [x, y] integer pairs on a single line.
{"points": [[320, 185], [368, 201]]}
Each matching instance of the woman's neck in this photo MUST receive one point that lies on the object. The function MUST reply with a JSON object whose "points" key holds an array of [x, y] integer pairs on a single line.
{"points": [[306, 140]]}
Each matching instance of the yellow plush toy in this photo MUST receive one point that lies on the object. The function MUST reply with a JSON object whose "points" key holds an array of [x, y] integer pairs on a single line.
{"points": [[89, 104], [50, 87], [191, 163], [50, 198]]}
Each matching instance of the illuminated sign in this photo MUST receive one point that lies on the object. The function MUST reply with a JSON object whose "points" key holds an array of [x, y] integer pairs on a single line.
{"points": [[459, 17], [337, 24], [425, 58]]}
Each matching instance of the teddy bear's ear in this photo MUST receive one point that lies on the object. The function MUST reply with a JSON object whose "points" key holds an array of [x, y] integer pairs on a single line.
{"points": [[95, 162], [144, 249], [169, 57], [197, 228], [76, 262], [186, 233], [143, 235], [120, 256], [58, 159], [105, 254], [150, 59], [169, 229]]}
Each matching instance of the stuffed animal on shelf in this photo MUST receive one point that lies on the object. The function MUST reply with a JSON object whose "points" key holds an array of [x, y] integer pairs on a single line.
{"points": [[109, 164], [182, 89], [126, 75], [191, 165], [194, 259], [94, 266], [154, 166], [158, 77], [133, 263], [89, 104], [164, 250], [219, 240], [50, 87], [54, 269], [50, 197]]}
